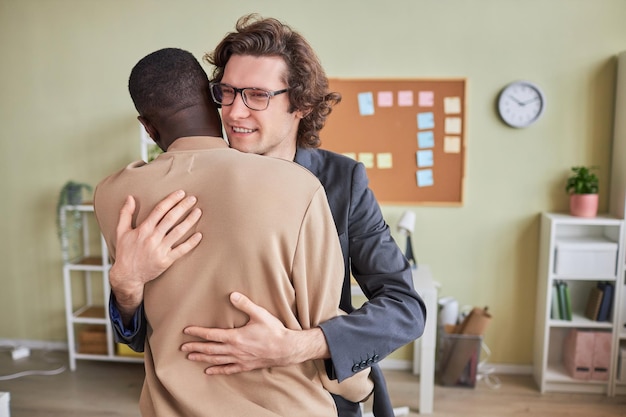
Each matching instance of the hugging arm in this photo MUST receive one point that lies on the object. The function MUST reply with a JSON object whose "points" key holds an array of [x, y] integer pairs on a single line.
{"points": [[141, 254]]}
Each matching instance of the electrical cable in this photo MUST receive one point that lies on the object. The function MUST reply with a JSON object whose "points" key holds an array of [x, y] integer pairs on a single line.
{"points": [[41, 372]]}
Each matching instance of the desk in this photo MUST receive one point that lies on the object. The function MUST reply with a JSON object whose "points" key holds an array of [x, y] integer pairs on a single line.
{"points": [[423, 348]]}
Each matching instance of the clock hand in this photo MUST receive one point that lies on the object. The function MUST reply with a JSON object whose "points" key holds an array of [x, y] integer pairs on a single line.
{"points": [[516, 100], [529, 101]]}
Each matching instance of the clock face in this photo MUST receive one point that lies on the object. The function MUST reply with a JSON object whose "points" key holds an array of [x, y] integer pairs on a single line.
{"points": [[520, 104]]}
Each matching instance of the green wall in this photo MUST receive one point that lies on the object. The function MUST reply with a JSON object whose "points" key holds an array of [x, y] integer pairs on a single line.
{"points": [[65, 114]]}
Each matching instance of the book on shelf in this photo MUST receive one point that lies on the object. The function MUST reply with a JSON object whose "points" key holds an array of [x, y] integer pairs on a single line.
{"points": [[564, 300], [604, 312], [593, 303], [567, 299], [555, 314]]}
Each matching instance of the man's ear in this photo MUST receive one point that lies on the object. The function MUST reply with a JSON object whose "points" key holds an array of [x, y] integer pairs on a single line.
{"points": [[150, 129], [301, 114]]}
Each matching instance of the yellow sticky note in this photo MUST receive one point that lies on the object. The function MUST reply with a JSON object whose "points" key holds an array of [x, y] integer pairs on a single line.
{"points": [[367, 159], [452, 105], [453, 125], [451, 144], [384, 160]]}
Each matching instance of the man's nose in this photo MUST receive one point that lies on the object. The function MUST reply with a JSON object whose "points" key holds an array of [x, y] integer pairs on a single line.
{"points": [[239, 108]]}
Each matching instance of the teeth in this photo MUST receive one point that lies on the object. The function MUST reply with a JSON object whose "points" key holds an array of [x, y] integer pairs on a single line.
{"points": [[242, 130]]}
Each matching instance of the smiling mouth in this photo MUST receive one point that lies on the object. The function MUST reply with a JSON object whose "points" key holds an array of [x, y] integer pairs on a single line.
{"points": [[242, 130]]}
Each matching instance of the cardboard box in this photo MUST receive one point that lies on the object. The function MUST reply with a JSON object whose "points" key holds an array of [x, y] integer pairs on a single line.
{"points": [[92, 340], [580, 257]]}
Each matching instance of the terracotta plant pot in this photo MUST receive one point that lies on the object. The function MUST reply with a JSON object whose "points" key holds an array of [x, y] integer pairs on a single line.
{"points": [[583, 205]]}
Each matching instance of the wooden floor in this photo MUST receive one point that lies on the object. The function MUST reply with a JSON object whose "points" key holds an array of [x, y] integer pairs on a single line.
{"points": [[108, 389]]}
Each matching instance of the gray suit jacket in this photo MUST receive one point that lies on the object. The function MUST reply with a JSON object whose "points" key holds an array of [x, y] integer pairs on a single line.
{"points": [[395, 314]]}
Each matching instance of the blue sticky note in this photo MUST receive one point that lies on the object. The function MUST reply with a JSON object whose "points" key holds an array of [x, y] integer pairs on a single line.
{"points": [[425, 178], [366, 104], [425, 158], [425, 139], [425, 120]]}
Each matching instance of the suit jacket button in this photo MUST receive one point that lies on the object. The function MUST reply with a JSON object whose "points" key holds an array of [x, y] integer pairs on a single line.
{"points": [[375, 358], [356, 367]]}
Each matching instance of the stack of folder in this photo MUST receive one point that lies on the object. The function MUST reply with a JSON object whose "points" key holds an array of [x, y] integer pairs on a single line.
{"points": [[586, 354], [600, 302]]}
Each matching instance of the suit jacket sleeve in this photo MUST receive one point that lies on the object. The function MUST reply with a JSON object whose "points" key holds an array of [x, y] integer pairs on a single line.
{"points": [[394, 314]]}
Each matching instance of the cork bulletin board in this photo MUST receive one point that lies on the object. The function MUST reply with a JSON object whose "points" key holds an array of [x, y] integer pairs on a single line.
{"points": [[409, 134]]}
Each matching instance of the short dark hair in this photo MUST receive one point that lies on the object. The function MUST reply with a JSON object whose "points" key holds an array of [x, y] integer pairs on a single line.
{"points": [[166, 81], [307, 81]]}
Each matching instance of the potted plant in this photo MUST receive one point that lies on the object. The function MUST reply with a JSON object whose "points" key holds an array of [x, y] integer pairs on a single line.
{"points": [[582, 187], [71, 194]]}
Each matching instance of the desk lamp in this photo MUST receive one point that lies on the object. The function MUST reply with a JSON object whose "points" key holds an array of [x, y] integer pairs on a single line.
{"points": [[406, 225]]}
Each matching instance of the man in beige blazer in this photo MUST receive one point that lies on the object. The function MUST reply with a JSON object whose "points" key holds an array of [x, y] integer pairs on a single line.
{"points": [[265, 229]]}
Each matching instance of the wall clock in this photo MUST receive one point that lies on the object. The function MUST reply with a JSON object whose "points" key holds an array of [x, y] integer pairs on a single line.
{"points": [[520, 104]]}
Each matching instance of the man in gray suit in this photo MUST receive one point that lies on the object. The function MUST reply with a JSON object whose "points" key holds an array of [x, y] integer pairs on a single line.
{"points": [[262, 59]]}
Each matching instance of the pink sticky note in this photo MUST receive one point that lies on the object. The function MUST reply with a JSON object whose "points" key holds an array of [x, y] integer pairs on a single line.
{"points": [[385, 99], [405, 98], [426, 98]]}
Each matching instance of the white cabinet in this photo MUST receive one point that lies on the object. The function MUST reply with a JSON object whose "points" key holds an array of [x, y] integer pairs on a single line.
{"points": [[86, 284], [580, 252], [619, 355]]}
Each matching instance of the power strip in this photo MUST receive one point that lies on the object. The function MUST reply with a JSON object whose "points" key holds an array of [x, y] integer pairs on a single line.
{"points": [[20, 352]]}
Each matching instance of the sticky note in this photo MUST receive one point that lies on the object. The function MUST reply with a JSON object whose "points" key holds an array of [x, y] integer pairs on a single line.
{"points": [[426, 98], [366, 104], [425, 120], [451, 144], [452, 105], [453, 125], [425, 158], [350, 155], [367, 159], [385, 99], [425, 178], [405, 98], [384, 160], [425, 139]]}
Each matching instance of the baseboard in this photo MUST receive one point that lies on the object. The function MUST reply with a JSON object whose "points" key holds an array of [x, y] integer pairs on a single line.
{"points": [[33, 344], [396, 364], [509, 369], [496, 368], [388, 363]]}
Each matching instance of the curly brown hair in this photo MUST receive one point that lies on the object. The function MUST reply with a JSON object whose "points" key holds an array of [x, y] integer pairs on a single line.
{"points": [[307, 81]]}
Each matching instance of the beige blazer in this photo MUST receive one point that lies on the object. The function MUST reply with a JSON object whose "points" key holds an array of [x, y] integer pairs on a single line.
{"points": [[268, 233]]}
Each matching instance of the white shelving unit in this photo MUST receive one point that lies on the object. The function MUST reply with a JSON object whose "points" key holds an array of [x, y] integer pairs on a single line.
{"points": [[86, 305], [592, 248]]}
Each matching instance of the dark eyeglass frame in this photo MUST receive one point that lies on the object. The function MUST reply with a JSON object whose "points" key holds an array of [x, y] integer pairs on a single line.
{"points": [[242, 93]]}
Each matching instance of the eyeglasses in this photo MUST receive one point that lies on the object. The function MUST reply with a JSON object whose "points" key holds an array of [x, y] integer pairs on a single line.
{"points": [[254, 98]]}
